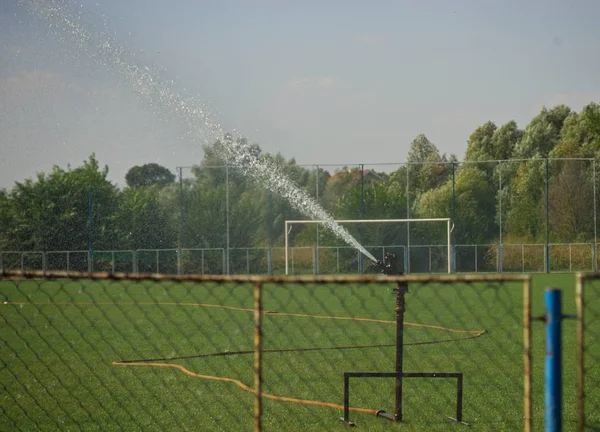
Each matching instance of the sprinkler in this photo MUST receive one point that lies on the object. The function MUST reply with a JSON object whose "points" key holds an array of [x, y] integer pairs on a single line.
{"points": [[389, 266]]}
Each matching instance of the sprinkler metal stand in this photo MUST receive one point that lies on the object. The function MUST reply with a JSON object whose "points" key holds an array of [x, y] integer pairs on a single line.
{"points": [[390, 267]]}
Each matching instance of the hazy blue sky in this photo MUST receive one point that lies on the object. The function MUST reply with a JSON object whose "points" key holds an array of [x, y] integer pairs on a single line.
{"points": [[322, 81]]}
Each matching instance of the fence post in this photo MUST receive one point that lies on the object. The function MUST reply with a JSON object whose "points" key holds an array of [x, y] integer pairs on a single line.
{"points": [[547, 220], [181, 213], [553, 378]]}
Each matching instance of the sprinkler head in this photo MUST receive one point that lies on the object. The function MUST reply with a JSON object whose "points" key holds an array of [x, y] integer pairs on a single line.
{"points": [[390, 265]]}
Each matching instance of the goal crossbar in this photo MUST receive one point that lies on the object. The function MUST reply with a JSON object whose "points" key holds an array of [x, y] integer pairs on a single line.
{"points": [[449, 225]]}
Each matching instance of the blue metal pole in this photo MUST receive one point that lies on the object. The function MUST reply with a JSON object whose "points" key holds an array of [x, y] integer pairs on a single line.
{"points": [[553, 379]]}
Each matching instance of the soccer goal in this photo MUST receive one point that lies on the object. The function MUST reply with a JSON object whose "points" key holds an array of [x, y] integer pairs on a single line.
{"points": [[423, 245]]}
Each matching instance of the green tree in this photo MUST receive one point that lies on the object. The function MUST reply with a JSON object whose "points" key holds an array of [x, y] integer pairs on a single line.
{"points": [[51, 212], [474, 220], [147, 175], [480, 145], [542, 133], [427, 168], [144, 221]]}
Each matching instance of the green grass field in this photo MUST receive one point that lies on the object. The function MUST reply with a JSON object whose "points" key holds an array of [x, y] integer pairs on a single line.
{"points": [[60, 339]]}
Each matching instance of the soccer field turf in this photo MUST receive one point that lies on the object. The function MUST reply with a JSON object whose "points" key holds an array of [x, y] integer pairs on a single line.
{"points": [[61, 341]]}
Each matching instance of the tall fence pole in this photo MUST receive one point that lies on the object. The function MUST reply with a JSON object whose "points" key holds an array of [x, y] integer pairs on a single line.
{"points": [[547, 219], [500, 217], [362, 211], [317, 199], [553, 379], [90, 231], [407, 254], [453, 258], [227, 216], [270, 230], [180, 249], [595, 248]]}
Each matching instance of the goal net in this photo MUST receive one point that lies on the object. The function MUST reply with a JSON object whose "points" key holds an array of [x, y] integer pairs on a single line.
{"points": [[421, 245]]}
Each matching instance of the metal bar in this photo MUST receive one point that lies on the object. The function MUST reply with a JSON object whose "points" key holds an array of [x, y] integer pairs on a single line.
{"points": [[286, 247], [362, 211], [346, 397], [402, 289], [247, 261], [500, 224], [595, 252], [317, 199], [407, 257], [553, 378], [376, 279], [527, 359], [449, 240], [227, 216], [429, 259], [579, 303], [547, 219], [113, 261], [570, 258], [157, 262], [181, 212], [68, 261], [225, 263], [424, 162], [404, 374], [459, 397], [476, 264], [381, 413], [258, 312], [90, 228], [320, 221]]}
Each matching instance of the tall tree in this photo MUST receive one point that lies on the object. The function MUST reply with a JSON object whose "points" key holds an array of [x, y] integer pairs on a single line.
{"points": [[480, 146], [147, 175], [475, 199], [542, 133], [51, 212]]}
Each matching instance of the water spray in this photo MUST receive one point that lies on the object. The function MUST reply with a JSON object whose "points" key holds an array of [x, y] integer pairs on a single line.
{"points": [[69, 27]]}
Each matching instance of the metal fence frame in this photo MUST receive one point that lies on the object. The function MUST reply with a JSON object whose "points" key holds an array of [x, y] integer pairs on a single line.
{"points": [[497, 165], [258, 282], [460, 266]]}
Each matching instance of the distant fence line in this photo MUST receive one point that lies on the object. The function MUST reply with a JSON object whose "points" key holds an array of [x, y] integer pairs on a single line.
{"points": [[469, 258]]}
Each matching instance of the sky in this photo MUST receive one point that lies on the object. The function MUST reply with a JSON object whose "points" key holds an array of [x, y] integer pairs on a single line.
{"points": [[325, 82]]}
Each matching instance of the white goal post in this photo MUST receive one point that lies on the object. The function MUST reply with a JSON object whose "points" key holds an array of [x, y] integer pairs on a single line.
{"points": [[449, 225]]}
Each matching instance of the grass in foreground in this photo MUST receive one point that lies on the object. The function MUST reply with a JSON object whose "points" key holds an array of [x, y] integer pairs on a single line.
{"points": [[60, 340]]}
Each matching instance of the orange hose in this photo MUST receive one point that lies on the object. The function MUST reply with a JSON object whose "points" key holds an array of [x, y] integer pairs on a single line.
{"points": [[249, 389]]}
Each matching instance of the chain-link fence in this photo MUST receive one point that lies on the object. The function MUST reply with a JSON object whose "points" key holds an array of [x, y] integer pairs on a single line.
{"points": [[533, 215], [588, 351], [305, 260], [115, 351]]}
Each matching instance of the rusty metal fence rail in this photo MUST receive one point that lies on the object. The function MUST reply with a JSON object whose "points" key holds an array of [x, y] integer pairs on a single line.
{"points": [[588, 351], [114, 351]]}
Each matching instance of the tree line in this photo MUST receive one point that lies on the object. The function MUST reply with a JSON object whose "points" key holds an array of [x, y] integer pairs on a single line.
{"points": [[511, 182]]}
